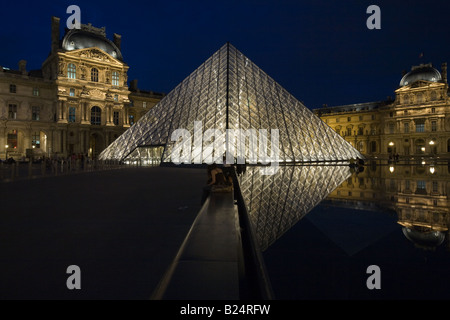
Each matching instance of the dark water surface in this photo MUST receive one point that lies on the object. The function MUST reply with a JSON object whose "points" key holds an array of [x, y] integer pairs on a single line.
{"points": [[321, 227]]}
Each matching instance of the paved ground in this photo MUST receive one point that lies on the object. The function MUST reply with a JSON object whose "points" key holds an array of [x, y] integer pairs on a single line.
{"points": [[122, 227]]}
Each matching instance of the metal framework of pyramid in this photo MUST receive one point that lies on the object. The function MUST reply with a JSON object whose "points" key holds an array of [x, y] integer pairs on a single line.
{"points": [[228, 91]]}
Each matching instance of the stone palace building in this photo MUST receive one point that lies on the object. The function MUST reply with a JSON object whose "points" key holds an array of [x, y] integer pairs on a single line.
{"points": [[77, 103], [416, 123]]}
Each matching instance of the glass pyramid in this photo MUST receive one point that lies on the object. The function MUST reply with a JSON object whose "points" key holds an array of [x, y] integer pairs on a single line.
{"points": [[275, 203], [228, 91]]}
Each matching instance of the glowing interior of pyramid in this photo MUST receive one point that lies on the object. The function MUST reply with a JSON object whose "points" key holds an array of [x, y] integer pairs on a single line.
{"points": [[228, 91]]}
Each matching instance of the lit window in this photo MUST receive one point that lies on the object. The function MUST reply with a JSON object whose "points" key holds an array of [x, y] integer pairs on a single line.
{"points": [[94, 75], [36, 92], [71, 71], [72, 92], [421, 186], [72, 117], [12, 111], [96, 116], [115, 78], [12, 88], [35, 113], [36, 140], [116, 98], [420, 126]]}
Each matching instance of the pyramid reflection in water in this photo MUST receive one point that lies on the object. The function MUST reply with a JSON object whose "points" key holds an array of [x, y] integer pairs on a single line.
{"points": [[275, 203], [228, 91]]}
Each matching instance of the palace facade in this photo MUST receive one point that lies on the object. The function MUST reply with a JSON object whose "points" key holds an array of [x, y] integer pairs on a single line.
{"points": [[416, 123], [77, 103]]}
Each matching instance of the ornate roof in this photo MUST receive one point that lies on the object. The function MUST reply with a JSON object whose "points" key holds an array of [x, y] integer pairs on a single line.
{"points": [[422, 72], [89, 37]]}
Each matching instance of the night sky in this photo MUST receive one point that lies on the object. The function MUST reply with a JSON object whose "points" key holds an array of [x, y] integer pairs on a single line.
{"points": [[320, 51]]}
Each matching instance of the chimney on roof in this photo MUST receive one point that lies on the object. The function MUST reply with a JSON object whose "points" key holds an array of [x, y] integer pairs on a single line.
{"points": [[444, 71], [55, 34], [117, 40], [23, 66]]}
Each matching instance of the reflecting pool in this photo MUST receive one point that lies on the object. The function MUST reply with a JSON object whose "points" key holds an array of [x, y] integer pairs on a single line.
{"points": [[320, 228]]}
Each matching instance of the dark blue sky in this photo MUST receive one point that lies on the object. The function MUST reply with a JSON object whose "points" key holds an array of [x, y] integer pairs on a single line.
{"points": [[320, 51]]}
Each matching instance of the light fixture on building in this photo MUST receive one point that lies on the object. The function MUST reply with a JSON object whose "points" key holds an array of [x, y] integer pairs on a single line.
{"points": [[391, 169], [391, 143], [423, 148], [432, 170]]}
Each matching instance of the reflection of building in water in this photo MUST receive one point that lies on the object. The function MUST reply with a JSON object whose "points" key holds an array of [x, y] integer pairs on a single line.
{"points": [[417, 193], [415, 123], [277, 202]]}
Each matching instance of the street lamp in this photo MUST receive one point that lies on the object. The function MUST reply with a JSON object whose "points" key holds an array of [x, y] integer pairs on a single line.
{"points": [[6, 152]]}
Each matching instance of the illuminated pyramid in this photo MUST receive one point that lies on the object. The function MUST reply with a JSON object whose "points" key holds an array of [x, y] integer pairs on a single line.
{"points": [[228, 91]]}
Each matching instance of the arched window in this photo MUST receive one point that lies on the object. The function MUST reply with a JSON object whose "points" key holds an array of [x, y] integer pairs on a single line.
{"points": [[115, 78], [71, 71], [96, 116], [94, 75]]}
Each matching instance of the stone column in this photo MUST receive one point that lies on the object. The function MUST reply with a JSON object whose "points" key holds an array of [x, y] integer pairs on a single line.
{"points": [[126, 122], [62, 111], [109, 121], [84, 112]]}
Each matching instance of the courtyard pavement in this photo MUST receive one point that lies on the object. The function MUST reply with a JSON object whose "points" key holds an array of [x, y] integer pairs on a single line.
{"points": [[121, 227]]}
